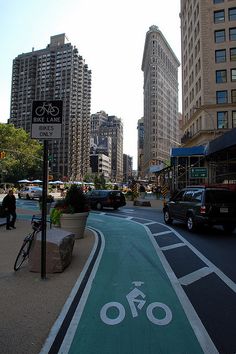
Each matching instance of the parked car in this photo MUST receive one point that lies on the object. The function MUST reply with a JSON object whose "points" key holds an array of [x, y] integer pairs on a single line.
{"points": [[30, 192], [106, 198], [197, 206]]}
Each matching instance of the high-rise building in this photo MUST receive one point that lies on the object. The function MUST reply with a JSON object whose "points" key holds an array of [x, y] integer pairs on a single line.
{"points": [[160, 68], [57, 72], [103, 125], [140, 128], [127, 168], [208, 37]]}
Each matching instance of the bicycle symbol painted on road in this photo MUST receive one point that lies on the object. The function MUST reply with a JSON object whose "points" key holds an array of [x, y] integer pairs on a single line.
{"points": [[136, 300], [47, 108]]}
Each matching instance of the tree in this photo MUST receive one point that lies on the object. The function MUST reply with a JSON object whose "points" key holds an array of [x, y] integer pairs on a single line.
{"points": [[23, 155]]}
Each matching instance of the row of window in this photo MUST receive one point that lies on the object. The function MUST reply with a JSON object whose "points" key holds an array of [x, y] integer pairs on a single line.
{"points": [[220, 35], [221, 76], [221, 56], [222, 96], [219, 16], [223, 120]]}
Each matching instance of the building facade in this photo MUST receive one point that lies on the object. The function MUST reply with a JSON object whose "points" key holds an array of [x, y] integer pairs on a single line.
{"points": [[160, 68], [57, 72], [127, 168], [101, 165], [140, 129], [208, 36], [103, 125]]}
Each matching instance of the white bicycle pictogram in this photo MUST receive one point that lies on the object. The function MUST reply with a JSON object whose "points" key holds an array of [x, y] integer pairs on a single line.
{"points": [[47, 108], [136, 302]]}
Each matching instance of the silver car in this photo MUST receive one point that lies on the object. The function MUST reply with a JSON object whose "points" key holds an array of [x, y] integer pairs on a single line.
{"points": [[30, 193]]}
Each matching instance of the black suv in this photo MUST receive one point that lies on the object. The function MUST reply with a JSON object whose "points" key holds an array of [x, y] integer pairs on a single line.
{"points": [[106, 198], [197, 206]]}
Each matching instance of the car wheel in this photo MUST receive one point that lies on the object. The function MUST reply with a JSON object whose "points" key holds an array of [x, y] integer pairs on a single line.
{"points": [[229, 228], [168, 220], [190, 223], [19, 196], [27, 196], [99, 206]]}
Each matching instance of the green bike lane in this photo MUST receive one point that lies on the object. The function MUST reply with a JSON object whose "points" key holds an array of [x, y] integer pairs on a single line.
{"points": [[129, 304]]}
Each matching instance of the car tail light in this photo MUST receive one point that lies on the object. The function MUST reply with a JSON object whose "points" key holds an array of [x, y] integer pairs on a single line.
{"points": [[203, 209]]}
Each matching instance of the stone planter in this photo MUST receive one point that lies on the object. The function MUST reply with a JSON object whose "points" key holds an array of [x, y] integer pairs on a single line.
{"points": [[75, 223]]}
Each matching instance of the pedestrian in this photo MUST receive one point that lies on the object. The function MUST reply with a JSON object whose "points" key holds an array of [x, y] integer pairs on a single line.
{"points": [[9, 205], [142, 191]]}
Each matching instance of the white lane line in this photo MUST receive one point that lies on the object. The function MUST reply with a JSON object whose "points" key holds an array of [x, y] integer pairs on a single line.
{"points": [[173, 246], [162, 233], [149, 223], [203, 337], [195, 276], [214, 269], [78, 313]]}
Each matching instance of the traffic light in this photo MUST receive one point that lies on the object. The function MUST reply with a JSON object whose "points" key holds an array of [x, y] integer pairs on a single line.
{"points": [[2, 154]]}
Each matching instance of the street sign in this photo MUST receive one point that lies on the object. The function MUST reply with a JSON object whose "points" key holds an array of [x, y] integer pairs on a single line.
{"points": [[46, 120], [198, 172]]}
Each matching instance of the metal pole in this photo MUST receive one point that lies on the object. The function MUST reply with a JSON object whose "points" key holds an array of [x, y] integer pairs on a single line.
{"points": [[44, 210]]}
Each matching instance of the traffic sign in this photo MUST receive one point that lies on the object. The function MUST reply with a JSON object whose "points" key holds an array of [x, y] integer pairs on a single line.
{"points": [[198, 172], [46, 120]]}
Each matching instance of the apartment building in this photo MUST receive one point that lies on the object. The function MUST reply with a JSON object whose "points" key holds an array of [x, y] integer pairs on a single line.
{"points": [[57, 72], [160, 68], [103, 125], [208, 36]]}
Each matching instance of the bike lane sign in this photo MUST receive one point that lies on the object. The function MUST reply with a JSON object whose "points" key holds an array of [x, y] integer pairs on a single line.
{"points": [[46, 120]]}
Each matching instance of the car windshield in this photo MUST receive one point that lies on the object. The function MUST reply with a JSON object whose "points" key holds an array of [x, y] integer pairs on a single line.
{"points": [[220, 196]]}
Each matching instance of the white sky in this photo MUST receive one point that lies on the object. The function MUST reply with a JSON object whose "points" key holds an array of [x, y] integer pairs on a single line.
{"points": [[110, 35]]}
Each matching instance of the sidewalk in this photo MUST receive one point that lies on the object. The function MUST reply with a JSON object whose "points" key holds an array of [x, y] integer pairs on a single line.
{"points": [[29, 305]]}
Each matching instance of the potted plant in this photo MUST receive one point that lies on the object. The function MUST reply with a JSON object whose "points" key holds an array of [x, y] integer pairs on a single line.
{"points": [[71, 212], [49, 201]]}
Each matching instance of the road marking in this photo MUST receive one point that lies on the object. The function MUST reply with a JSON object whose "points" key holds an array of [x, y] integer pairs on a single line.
{"points": [[171, 247], [197, 326], [195, 276], [149, 223], [162, 233], [64, 348], [213, 268]]}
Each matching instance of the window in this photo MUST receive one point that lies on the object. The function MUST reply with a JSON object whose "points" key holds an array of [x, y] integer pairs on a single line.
{"points": [[233, 96], [232, 14], [222, 120], [221, 97], [232, 34], [233, 74], [220, 56], [219, 36], [221, 76], [234, 119], [219, 16], [217, 1], [233, 54]]}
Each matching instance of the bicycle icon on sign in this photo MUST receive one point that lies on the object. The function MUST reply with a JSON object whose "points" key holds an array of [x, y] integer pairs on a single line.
{"points": [[47, 108], [136, 300]]}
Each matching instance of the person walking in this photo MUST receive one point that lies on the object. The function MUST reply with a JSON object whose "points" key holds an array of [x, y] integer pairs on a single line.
{"points": [[9, 205], [142, 191]]}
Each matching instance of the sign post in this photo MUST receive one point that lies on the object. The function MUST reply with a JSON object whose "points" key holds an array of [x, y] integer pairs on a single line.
{"points": [[46, 125]]}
